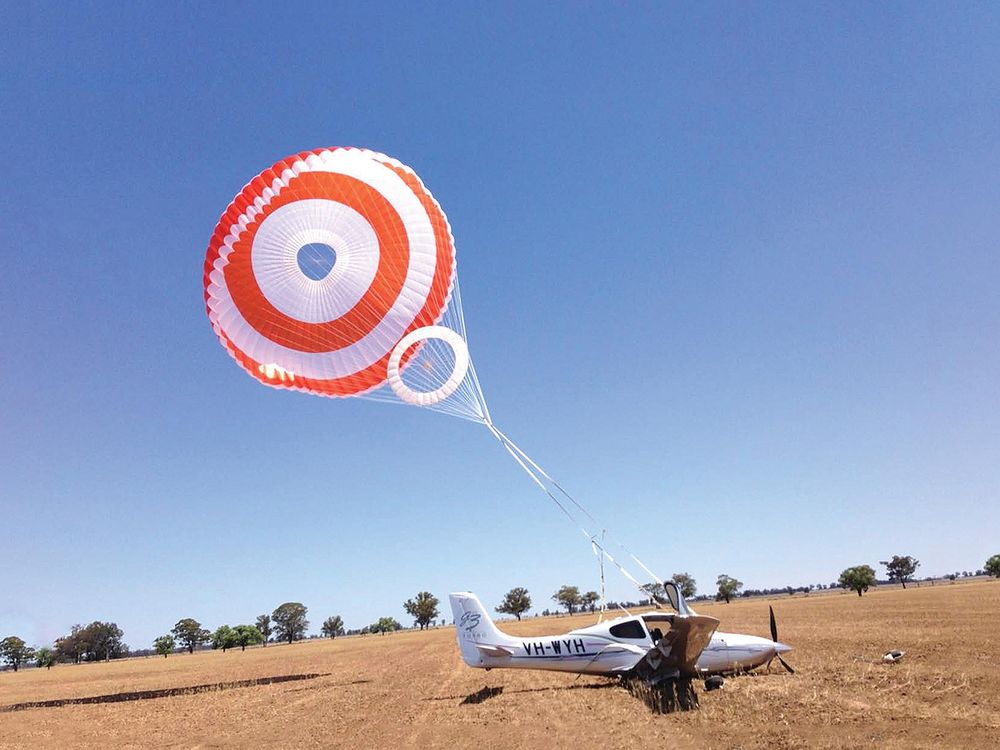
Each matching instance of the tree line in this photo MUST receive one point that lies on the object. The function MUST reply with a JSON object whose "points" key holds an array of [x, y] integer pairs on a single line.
{"points": [[286, 623], [859, 578], [103, 641]]}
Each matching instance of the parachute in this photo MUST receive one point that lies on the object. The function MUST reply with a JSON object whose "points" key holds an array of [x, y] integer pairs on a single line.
{"points": [[334, 272]]}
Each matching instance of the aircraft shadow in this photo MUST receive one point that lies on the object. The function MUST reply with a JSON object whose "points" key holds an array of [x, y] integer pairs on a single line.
{"points": [[666, 697], [481, 695], [141, 695], [662, 699]]}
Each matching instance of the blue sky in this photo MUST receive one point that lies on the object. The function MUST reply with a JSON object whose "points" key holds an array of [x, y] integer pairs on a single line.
{"points": [[729, 273]]}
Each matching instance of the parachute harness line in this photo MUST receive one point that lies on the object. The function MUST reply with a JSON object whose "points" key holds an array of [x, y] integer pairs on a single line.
{"points": [[333, 272], [552, 488], [600, 559]]}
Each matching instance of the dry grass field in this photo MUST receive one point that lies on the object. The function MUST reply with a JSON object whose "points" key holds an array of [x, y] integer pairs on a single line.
{"points": [[411, 689]]}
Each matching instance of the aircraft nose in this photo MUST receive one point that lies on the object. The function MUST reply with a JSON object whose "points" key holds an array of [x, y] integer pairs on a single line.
{"points": [[781, 648]]}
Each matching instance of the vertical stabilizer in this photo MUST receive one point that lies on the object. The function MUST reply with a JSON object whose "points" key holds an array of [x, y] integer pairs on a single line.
{"points": [[479, 640]]}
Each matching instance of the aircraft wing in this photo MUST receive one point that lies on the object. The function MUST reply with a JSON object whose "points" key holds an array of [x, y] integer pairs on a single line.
{"points": [[635, 651], [676, 653]]}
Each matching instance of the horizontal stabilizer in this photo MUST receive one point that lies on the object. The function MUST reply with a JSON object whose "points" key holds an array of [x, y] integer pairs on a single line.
{"points": [[490, 650]]}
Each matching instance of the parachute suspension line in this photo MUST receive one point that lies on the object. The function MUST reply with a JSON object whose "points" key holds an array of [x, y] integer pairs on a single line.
{"points": [[583, 510], [604, 599], [433, 369], [541, 472], [523, 461], [483, 411], [534, 477], [471, 385], [456, 305]]}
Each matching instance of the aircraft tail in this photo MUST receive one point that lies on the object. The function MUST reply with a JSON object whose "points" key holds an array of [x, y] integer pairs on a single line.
{"points": [[480, 641]]}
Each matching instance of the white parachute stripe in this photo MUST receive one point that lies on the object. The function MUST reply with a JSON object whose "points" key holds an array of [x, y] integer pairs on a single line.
{"points": [[275, 259]]}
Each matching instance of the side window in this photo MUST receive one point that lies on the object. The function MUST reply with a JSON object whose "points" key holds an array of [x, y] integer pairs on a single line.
{"points": [[630, 629]]}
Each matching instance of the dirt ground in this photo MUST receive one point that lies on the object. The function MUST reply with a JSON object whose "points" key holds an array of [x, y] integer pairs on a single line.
{"points": [[411, 689]]}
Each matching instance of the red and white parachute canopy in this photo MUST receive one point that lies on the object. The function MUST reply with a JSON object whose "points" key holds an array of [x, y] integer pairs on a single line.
{"points": [[333, 272]]}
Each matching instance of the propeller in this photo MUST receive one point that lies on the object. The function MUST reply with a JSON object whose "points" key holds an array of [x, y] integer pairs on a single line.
{"points": [[774, 637]]}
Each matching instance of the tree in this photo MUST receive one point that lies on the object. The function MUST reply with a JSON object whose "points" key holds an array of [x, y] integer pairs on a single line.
{"points": [[290, 623], [71, 647], [45, 657], [728, 587], [224, 637], [901, 568], [246, 635], [569, 597], [686, 584], [103, 641], [656, 592], [589, 600], [423, 609], [99, 641], [332, 627], [516, 602], [190, 633], [165, 644], [858, 578], [264, 626], [15, 652], [384, 625], [993, 566]]}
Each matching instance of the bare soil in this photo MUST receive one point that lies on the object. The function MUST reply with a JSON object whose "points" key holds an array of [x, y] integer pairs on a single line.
{"points": [[411, 689]]}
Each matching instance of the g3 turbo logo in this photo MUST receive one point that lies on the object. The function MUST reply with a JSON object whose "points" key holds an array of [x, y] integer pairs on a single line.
{"points": [[469, 621]]}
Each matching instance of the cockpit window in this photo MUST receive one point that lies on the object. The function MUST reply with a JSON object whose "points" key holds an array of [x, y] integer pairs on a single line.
{"points": [[630, 629], [657, 617]]}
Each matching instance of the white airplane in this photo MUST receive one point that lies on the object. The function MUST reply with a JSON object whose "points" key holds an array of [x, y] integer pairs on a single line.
{"points": [[662, 650]]}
